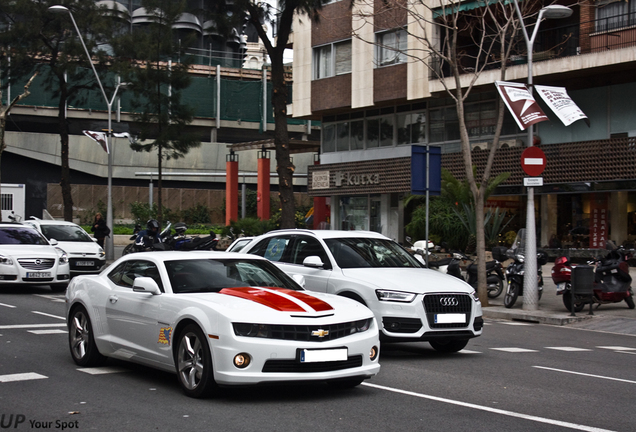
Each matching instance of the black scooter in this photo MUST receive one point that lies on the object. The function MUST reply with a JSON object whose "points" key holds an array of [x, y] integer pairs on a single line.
{"points": [[515, 272], [494, 273]]}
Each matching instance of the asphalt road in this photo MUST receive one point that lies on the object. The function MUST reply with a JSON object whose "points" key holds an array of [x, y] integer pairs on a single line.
{"points": [[516, 377]]}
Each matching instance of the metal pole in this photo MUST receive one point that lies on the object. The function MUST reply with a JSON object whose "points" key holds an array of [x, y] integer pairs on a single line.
{"points": [[427, 200]]}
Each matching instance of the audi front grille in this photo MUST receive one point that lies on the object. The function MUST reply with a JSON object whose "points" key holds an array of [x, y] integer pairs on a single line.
{"points": [[435, 304], [37, 263]]}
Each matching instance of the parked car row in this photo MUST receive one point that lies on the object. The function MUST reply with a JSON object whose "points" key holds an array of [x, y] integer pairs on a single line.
{"points": [[41, 252]]}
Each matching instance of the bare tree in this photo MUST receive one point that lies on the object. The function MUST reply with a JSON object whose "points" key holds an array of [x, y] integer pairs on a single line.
{"points": [[4, 113], [456, 46]]}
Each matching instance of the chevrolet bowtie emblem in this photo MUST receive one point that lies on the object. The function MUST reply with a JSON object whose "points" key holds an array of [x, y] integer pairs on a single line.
{"points": [[320, 333]]}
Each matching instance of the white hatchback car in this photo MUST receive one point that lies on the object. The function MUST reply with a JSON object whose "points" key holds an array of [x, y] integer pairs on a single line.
{"points": [[26, 257], [410, 302], [84, 254]]}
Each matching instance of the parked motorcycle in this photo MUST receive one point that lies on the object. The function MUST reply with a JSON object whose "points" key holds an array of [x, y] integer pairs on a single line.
{"points": [[156, 246], [515, 271], [186, 243], [494, 272], [612, 281]]}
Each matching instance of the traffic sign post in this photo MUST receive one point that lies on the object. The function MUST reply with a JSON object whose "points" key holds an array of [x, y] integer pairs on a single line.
{"points": [[533, 162]]}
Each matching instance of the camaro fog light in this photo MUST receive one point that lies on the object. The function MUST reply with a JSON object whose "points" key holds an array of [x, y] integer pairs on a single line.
{"points": [[242, 360], [373, 354]]}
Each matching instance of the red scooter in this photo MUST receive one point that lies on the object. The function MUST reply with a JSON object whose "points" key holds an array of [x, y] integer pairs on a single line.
{"points": [[612, 282]]}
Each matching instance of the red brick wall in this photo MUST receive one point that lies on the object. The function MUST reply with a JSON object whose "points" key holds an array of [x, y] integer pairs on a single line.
{"points": [[331, 93], [587, 14], [334, 24], [389, 83], [389, 14]]}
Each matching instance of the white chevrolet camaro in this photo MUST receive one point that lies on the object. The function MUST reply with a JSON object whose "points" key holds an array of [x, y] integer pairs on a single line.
{"points": [[218, 319]]}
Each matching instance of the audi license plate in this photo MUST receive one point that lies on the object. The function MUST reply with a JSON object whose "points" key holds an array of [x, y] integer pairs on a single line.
{"points": [[32, 275], [323, 355], [84, 263], [450, 318]]}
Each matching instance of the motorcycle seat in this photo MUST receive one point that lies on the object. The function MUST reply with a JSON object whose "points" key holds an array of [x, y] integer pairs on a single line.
{"points": [[439, 263]]}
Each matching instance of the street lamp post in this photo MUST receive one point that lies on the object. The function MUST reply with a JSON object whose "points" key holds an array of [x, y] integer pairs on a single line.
{"points": [[110, 246], [530, 289]]}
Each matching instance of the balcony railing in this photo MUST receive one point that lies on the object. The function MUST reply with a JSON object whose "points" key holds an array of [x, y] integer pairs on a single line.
{"points": [[586, 37]]}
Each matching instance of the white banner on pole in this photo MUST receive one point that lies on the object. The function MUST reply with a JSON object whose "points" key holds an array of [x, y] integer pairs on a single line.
{"points": [[98, 137], [561, 104]]}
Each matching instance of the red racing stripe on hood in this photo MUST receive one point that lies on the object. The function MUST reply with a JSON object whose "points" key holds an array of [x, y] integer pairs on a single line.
{"points": [[315, 303], [276, 301]]}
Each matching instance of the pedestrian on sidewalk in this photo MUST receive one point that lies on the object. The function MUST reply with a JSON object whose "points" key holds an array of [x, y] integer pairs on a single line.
{"points": [[100, 229]]}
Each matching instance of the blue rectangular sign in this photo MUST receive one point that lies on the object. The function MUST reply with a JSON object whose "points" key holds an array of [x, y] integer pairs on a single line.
{"points": [[418, 170]]}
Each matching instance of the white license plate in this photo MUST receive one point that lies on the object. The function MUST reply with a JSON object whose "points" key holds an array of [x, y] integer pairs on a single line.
{"points": [[42, 275], [560, 287], [84, 263], [324, 355], [450, 318]]}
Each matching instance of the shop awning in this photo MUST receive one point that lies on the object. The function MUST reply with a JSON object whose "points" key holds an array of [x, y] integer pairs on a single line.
{"points": [[466, 6]]}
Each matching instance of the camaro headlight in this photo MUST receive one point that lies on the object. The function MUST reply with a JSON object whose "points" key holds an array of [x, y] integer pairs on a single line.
{"points": [[63, 257], [361, 326], [396, 296], [6, 260], [252, 330]]}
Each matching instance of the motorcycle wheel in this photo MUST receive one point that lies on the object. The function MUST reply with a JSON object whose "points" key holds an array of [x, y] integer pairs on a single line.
{"points": [[630, 300], [128, 249], [511, 294], [495, 290], [567, 302]]}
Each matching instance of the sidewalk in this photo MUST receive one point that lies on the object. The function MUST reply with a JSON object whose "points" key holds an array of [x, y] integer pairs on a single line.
{"points": [[614, 317]]}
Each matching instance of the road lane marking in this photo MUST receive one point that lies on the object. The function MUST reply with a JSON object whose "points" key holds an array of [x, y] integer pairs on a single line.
{"points": [[465, 351], [49, 315], [27, 326], [52, 331], [490, 409], [568, 348], [514, 350], [21, 377], [587, 375], [515, 323], [6, 305], [102, 370], [617, 348]]}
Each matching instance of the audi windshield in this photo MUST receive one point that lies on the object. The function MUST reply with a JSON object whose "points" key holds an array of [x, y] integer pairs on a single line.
{"points": [[369, 252]]}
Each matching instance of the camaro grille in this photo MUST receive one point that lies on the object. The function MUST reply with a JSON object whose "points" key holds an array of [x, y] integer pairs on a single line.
{"points": [[37, 263], [293, 366], [436, 304], [302, 333]]}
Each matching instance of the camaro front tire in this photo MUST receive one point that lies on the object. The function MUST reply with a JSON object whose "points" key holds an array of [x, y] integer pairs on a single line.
{"points": [[194, 363], [81, 339]]}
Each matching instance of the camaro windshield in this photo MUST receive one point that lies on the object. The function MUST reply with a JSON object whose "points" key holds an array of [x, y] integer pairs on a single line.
{"points": [[369, 252], [67, 233], [212, 275], [21, 236]]}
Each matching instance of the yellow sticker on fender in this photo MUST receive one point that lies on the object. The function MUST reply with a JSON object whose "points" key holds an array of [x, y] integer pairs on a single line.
{"points": [[164, 335]]}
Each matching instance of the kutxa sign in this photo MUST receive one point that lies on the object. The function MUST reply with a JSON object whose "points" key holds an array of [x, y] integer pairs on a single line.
{"points": [[344, 178]]}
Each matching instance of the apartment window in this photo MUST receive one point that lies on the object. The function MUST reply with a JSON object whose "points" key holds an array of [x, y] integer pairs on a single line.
{"points": [[332, 59], [615, 14], [391, 47]]}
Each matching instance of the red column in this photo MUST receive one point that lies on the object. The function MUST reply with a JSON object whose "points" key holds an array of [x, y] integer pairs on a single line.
{"points": [[231, 188], [262, 188], [320, 205]]}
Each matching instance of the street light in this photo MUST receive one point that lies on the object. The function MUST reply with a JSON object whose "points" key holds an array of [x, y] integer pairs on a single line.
{"points": [[530, 290], [110, 246]]}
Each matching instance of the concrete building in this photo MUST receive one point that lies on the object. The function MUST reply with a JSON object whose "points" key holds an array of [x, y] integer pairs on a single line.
{"points": [[365, 74]]}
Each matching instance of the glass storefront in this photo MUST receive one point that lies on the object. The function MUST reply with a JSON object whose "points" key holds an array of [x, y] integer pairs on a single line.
{"points": [[360, 213]]}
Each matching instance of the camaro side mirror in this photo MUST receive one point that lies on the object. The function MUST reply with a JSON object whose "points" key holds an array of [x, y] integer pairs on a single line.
{"points": [[299, 279], [147, 285]]}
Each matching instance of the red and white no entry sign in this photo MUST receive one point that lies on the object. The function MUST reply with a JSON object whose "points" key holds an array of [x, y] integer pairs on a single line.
{"points": [[533, 161]]}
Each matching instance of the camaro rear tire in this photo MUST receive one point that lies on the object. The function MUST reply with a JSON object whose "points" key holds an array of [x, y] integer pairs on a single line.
{"points": [[449, 346], [81, 339], [194, 363]]}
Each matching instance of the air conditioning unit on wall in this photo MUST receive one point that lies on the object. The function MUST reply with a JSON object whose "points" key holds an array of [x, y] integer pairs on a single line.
{"points": [[511, 143], [479, 146]]}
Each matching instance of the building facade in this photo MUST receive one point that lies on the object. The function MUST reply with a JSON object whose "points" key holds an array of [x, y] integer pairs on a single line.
{"points": [[365, 72]]}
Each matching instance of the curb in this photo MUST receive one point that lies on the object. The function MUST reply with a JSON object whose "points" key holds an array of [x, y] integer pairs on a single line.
{"points": [[534, 316]]}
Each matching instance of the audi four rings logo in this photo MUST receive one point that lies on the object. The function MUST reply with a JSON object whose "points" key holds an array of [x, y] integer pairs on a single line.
{"points": [[448, 301]]}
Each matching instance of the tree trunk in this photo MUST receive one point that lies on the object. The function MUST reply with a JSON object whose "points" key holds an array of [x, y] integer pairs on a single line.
{"points": [[284, 166]]}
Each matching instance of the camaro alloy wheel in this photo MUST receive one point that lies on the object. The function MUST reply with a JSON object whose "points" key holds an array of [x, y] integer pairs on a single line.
{"points": [[81, 340], [194, 363]]}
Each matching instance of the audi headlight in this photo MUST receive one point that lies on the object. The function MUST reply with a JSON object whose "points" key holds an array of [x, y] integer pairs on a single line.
{"points": [[6, 260], [63, 257], [395, 296]]}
